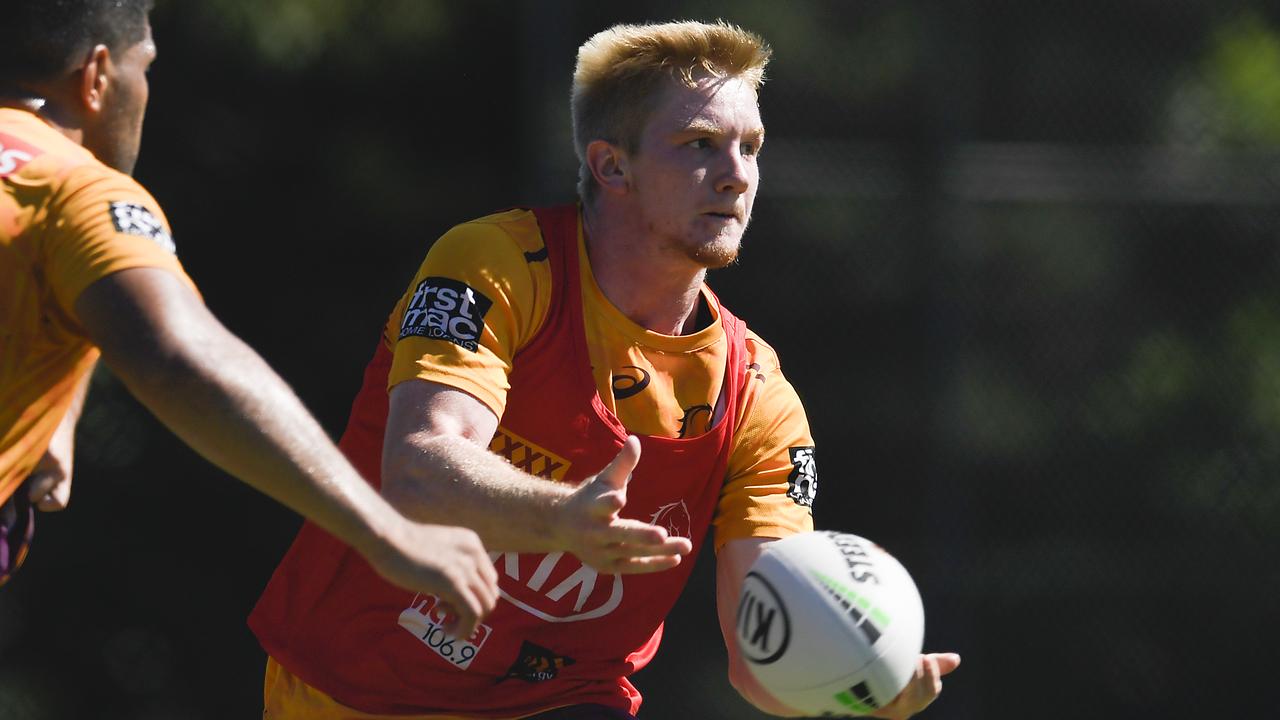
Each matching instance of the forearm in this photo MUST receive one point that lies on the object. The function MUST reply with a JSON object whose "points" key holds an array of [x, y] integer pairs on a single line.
{"points": [[62, 445], [732, 564], [450, 478], [220, 398]]}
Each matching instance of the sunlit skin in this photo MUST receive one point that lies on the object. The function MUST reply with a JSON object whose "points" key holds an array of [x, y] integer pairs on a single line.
{"points": [[695, 173], [664, 213], [156, 334], [679, 203], [114, 134], [101, 105]]}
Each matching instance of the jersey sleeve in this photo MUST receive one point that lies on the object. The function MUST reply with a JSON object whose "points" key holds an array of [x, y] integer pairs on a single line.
{"points": [[478, 297], [101, 223], [772, 476]]}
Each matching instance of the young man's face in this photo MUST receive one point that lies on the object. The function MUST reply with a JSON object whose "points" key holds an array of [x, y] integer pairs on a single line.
{"points": [[115, 136], [694, 173]]}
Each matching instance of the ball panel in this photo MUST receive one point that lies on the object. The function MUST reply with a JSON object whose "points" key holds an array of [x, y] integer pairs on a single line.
{"points": [[830, 623]]}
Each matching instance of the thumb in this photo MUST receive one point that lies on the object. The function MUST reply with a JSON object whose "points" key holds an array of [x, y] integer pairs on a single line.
{"points": [[947, 662], [616, 474]]}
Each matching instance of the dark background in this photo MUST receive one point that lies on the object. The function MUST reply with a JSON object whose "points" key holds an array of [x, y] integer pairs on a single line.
{"points": [[1019, 259]]}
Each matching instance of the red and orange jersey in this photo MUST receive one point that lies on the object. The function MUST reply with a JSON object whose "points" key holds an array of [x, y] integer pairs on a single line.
{"points": [[482, 294], [66, 221]]}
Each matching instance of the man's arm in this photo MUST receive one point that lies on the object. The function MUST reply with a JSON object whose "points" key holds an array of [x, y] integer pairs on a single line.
{"points": [[223, 400], [732, 563], [436, 467], [49, 485]]}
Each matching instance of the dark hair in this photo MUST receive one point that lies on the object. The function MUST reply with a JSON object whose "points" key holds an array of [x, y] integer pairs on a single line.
{"points": [[43, 38]]}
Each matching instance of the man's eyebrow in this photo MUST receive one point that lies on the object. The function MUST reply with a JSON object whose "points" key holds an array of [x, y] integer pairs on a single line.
{"points": [[710, 128]]}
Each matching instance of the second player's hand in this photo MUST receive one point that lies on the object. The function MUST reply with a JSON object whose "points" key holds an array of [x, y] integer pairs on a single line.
{"points": [[449, 562], [49, 485], [591, 529]]}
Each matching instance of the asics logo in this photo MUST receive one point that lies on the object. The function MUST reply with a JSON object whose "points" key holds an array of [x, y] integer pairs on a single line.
{"points": [[625, 386]]}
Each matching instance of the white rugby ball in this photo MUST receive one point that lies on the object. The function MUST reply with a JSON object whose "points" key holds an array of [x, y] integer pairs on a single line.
{"points": [[830, 624]]}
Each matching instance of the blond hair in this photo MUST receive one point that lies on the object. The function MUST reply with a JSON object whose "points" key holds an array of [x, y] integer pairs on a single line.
{"points": [[621, 70]]}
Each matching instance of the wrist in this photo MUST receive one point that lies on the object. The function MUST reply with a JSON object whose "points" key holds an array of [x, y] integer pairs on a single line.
{"points": [[372, 524], [557, 525]]}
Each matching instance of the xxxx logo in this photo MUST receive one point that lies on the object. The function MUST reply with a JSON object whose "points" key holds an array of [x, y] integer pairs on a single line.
{"points": [[528, 456]]}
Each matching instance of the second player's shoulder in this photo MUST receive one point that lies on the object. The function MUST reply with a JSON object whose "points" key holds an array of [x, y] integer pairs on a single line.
{"points": [[94, 195]]}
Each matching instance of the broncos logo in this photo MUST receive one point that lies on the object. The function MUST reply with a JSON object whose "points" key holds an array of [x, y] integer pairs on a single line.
{"points": [[536, 664]]}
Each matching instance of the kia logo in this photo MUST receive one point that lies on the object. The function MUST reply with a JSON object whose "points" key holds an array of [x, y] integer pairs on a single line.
{"points": [[764, 629]]}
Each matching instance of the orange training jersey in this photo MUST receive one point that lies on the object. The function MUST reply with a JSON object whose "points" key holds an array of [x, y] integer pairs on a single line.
{"points": [[66, 220], [747, 467], [656, 384]]}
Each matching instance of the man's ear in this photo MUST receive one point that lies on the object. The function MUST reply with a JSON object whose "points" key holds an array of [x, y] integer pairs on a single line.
{"points": [[609, 166], [92, 87]]}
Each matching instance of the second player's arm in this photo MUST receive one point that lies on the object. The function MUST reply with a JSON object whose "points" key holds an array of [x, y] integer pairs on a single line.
{"points": [[49, 485], [436, 467], [224, 401]]}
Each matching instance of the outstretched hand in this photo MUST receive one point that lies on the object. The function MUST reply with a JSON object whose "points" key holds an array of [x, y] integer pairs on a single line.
{"points": [[923, 688], [448, 562], [591, 529]]}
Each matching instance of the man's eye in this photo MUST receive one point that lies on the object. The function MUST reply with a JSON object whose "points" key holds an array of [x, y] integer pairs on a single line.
{"points": [[700, 143], [749, 149]]}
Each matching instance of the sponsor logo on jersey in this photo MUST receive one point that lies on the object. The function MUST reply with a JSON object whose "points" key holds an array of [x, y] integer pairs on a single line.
{"points": [[675, 518], [425, 618], [625, 386], [802, 483], [445, 309], [134, 219], [536, 664], [14, 154], [764, 628], [528, 456], [556, 587]]}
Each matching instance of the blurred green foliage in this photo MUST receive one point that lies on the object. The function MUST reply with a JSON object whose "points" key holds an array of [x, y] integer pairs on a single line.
{"points": [[1019, 260]]}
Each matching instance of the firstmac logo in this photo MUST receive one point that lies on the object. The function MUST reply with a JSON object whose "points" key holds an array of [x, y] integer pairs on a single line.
{"points": [[446, 309]]}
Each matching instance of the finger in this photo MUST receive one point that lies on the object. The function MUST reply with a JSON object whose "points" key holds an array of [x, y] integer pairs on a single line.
{"points": [[485, 588], [631, 532], [671, 547], [643, 565], [931, 684], [616, 474], [946, 662], [488, 575], [461, 617]]}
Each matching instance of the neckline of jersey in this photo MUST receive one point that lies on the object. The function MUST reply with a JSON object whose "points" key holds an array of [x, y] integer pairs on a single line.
{"points": [[633, 331]]}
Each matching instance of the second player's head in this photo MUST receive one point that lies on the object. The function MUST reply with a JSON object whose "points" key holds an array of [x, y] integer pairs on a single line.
{"points": [[83, 62]]}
